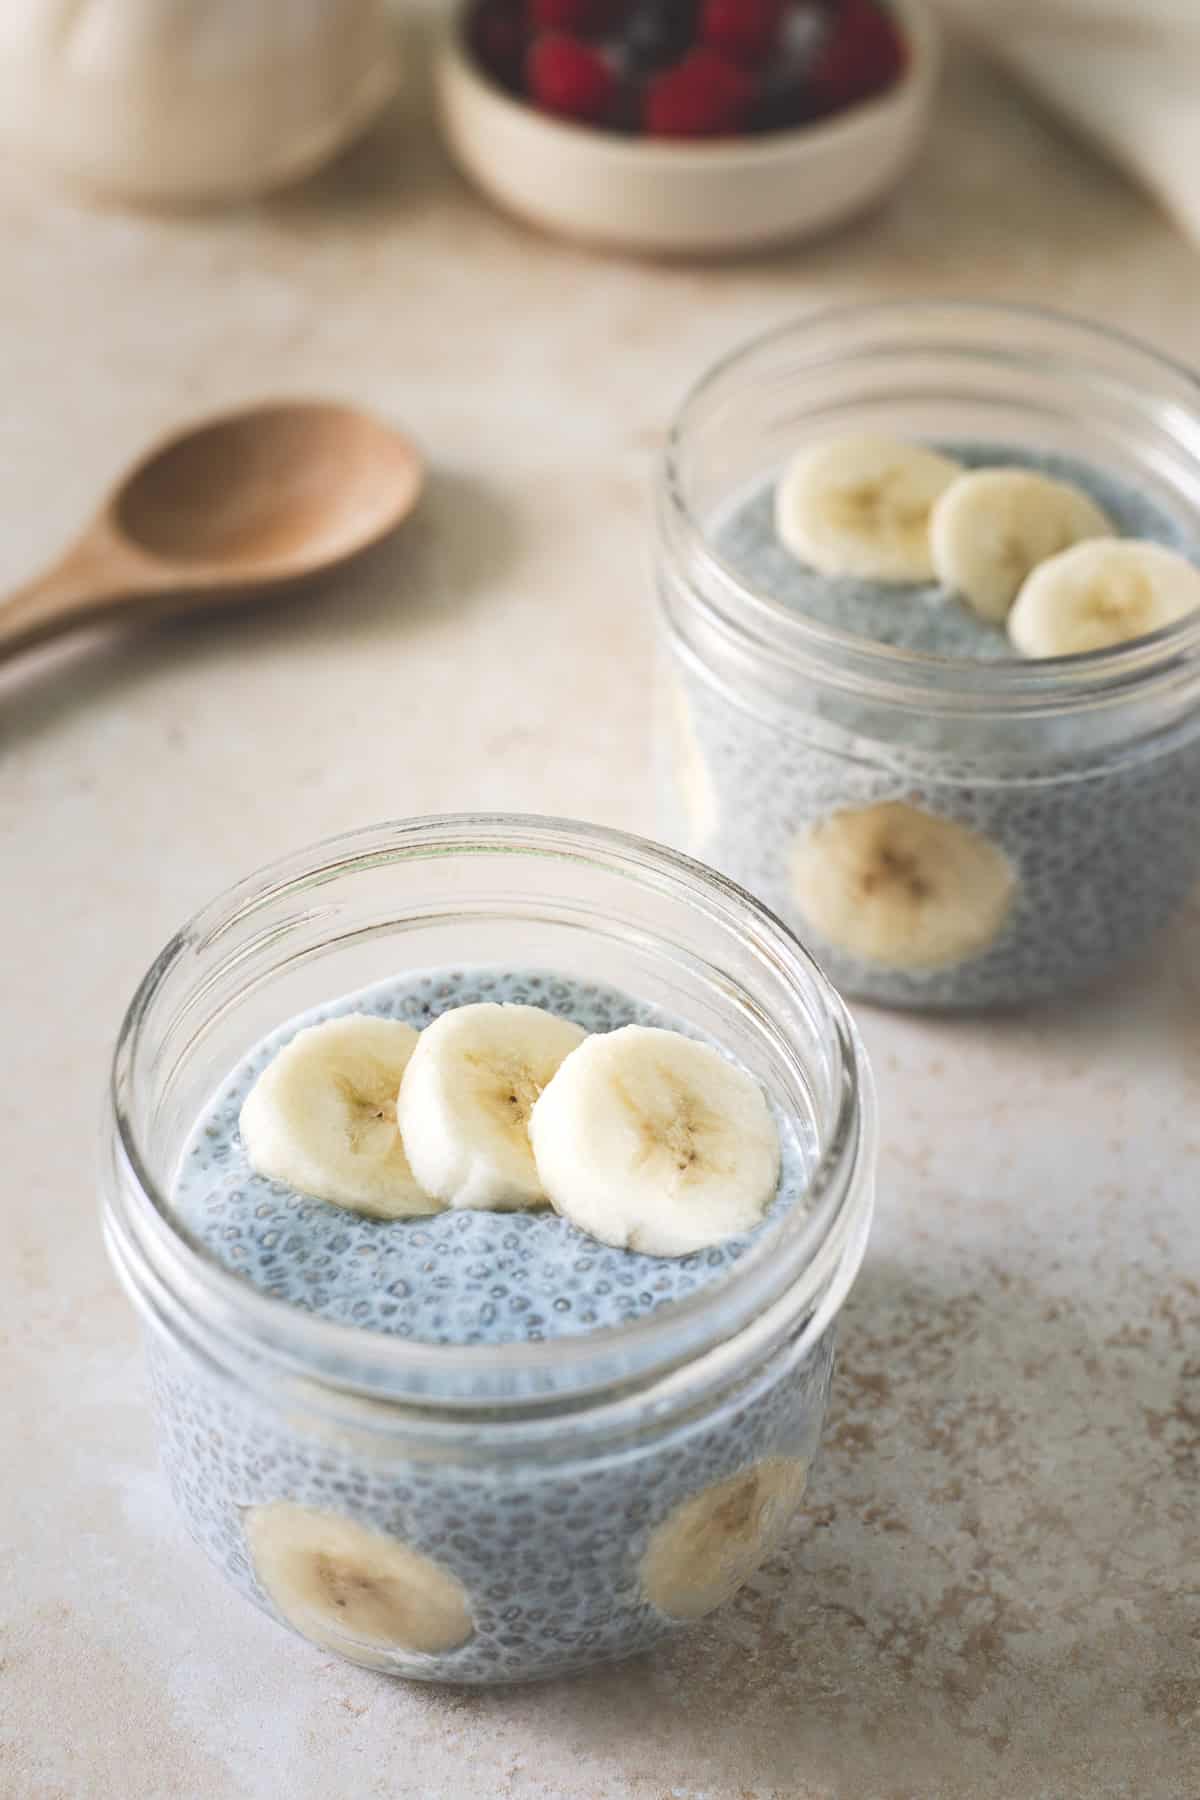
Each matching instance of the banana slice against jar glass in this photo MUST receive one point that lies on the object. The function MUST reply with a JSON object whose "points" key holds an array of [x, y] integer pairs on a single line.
{"points": [[902, 888], [691, 775], [712, 1543], [350, 1588]]}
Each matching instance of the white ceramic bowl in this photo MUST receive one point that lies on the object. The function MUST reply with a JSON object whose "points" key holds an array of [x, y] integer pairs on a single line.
{"points": [[670, 197]]}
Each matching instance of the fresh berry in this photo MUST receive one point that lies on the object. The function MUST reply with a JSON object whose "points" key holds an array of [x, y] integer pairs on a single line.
{"points": [[863, 55], [658, 32], [704, 96], [570, 78], [497, 37], [745, 31], [585, 18]]}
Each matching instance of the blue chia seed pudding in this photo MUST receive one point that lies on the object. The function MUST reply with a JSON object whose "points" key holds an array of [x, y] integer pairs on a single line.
{"points": [[1022, 866], [923, 617], [509, 1563]]}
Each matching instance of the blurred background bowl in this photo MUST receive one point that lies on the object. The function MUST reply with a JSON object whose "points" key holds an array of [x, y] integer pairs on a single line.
{"points": [[674, 197]]}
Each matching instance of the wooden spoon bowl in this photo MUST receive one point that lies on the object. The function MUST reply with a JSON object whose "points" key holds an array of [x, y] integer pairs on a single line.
{"points": [[232, 508]]}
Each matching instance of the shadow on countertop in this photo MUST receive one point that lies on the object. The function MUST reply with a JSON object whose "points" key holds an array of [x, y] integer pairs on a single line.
{"points": [[985, 1597], [461, 538]]}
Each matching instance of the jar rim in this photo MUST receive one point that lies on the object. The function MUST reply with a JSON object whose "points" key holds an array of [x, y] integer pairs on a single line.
{"points": [[888, 673], [808, 1260]]}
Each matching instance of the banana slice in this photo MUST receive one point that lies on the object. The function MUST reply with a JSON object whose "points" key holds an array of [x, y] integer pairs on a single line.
{"points": [[650, 1141], [992, 526], [895, 886], [352, 1589], [861, 506], [702, 1553], [322, 1117], [693, 778], [1100, 594], [466, 1100]]}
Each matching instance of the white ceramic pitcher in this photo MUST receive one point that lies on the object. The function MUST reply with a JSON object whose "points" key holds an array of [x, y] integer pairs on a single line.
{"points": [[176, 102]]}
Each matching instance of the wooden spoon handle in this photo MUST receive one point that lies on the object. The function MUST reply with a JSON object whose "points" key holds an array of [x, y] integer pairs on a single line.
{"points": [[92, 581]]}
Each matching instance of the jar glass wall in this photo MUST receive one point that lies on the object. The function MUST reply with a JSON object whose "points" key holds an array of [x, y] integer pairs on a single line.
{"points": [[1063, 794], [536, 1489]]}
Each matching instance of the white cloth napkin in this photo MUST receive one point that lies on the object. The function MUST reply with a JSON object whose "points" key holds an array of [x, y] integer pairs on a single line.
{"points": [[1125, 72]]}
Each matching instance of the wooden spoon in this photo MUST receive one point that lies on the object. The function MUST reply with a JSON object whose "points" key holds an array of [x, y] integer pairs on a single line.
{"points": [[233, 508]]}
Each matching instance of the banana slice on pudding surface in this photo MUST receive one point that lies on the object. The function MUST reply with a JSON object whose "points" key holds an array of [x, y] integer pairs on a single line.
{"points": [[861, 506], [466, 1100], [992, 527], [651, 1141], [321, 1118], [1100, 594]]}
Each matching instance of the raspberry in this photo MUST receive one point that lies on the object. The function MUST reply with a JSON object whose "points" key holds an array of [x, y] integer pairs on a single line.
{"points": [[497, 38], [745, 31], [583, 17], [704, 96], [571, 79], [864, 55]]}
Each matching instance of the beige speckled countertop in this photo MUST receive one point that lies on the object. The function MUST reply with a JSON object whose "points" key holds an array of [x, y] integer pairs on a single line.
{"points": [[995, 1591]]}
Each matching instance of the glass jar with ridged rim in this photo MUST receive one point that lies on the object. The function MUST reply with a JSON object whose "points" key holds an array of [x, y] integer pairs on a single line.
{"points": [[942, 828], [482, 1511]]}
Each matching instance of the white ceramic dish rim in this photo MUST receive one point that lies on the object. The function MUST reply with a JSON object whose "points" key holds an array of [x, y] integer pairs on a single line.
{"points": [[841, 132]]}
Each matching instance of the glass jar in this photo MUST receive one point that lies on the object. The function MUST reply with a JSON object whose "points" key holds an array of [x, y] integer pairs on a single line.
{"points": [[550, 1484], [1057, 801]]}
